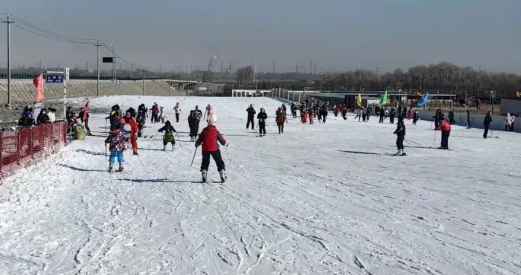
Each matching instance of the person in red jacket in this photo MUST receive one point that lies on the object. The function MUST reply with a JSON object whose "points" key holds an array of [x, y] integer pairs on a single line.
{"points": [[209, 138], [444, 127], [130, 118]]}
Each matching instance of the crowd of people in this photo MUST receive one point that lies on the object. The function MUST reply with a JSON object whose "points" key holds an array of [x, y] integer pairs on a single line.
{"points": [[125, 130]]}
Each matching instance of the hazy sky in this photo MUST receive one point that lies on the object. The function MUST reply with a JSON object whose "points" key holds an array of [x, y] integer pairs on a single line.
{"points": [[335, 34]]}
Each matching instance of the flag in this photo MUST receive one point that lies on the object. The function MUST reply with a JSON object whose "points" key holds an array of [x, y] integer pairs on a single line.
{"points": [[85, 111], [359, 100], [424, 100], [383, 99], [38, 84]]}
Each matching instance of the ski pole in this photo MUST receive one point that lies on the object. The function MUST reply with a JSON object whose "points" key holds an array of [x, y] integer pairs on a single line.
{"points": [[228, 155], [410, 141], [191, 164]]}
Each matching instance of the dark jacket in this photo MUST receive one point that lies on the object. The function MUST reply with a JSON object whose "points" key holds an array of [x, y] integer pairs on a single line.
{"points": [[251, 112], [168, 128], [400, 129], [487, 120]]}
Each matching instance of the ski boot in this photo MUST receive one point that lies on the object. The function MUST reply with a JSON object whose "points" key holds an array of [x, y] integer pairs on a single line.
{"points": [[110, 167], [135, 152], [204, 176], [120, 169], [223, 176]]}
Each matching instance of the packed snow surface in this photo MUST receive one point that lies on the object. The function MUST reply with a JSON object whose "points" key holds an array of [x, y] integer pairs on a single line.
{"points": [[318, 199]]}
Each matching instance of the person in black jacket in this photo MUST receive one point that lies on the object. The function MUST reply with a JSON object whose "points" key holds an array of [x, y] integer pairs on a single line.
{"points": [[400, 136], [169, 134], [192, 123], [486, 124], [27, 119], [382, 114], [114, 118], [262, 116], [251, 115], [141, 120], [42, 118], [415, 117], [86, 121], [391, 115]]}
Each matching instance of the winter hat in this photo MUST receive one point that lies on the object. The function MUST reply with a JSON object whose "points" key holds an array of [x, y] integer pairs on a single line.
{"points": [[121, 123]]}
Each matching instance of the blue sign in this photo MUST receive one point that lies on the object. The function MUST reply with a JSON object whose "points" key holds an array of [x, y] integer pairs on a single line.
{"points": [[54, 78]]}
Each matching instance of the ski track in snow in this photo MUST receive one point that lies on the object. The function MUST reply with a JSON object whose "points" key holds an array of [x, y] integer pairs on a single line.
{"points": [[314, 200]]}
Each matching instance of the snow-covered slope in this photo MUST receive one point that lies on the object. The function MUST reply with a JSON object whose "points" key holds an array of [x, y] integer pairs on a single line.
{"points": [[318, 199]]}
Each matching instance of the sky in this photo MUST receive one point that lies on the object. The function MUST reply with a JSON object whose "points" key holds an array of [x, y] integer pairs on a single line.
{"points": [[333, 34]]}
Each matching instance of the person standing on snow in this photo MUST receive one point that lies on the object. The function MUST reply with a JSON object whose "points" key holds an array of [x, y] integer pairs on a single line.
{"points": [[486, 124], [208, 139], [262, 116], [508, 122], [323, 113], [382, 114], [130, 118], [169, 134], [86, 121], [512, 125], [118, 140], [415, 117], [280, 119], [251, 115], [400, 136], [210, 115], [444, 127], [177, 110]]}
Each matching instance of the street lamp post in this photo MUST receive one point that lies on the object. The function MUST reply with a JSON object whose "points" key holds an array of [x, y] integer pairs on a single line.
{"points": [[491, 101]]}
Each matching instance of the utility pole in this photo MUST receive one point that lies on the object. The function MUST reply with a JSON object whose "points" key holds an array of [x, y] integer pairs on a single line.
{"points": [[273, 66], [255, 75], [113, 63], [8, 21], [143, 81], [97, 66], [315, 69]]}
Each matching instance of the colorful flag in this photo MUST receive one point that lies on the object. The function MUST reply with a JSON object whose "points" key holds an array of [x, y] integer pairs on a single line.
{"points": [[383, 99], [359, 100], [85, 111], [38, 84], [424, 100]]}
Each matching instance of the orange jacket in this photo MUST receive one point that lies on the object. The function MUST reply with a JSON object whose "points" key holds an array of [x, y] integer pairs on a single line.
{"points": [[444, 126], [133, 126]]}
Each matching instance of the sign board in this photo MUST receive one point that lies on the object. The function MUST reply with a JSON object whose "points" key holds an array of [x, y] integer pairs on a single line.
{"points": [[107, 60], [54, 78]]}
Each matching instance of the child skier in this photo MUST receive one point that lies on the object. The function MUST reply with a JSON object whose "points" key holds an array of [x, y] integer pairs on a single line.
{"points": [[119, 142], [208, 139], [400, 136], [169, 134]]}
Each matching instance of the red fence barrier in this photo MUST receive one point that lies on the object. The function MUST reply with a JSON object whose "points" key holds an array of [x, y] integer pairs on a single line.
{"points": [[28, 145]]}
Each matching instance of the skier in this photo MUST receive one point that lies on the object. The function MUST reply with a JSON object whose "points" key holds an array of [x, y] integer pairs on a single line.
{"points": [[369, 113], [155, 113], [169, 134], [141, 120], [391, 115], [415, 117], [162, 116], [294, 109], [262, 116], [70, 115], [280, 119], [359, 114], [177, 110], [344, 112], [118, 140], [444, 127], [303, 116], [113, 118], [86, 121], [451, 118], [251, 115], [210, 115], [486, 124], [209, 138], [311, 115], [382, 114], [130, 115], [323, 113], [400, 136]]}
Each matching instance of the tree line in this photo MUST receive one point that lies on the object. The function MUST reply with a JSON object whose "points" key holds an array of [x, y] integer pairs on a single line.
{"points": [[443, 77]]}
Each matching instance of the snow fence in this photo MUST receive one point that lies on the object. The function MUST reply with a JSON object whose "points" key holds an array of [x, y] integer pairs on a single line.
{"points": [[28, 145]]}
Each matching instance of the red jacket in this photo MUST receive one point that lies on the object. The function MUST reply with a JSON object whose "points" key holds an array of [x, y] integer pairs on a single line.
{"points": [[444, 126], [133, 126], [209, 137]]}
